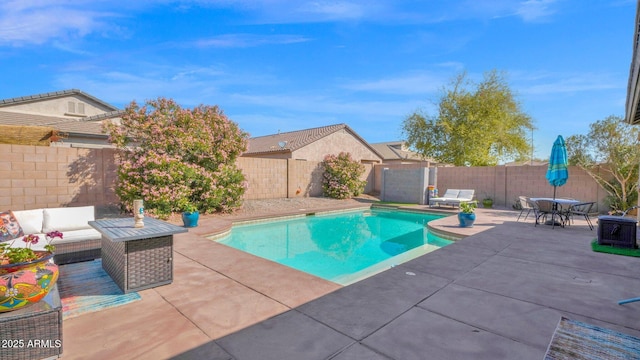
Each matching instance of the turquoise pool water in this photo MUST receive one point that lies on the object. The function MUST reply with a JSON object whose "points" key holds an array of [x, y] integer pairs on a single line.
{"points": [[340, 247]]}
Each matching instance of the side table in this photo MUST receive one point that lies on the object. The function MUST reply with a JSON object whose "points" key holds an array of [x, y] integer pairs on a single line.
{"points": [[34, 332], [137, 258]]}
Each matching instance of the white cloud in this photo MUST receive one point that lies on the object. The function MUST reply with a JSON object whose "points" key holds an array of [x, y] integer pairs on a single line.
{"points": [[314, 11], [333, 9], [312, 105], [552, 83], [248, 40], [38, 22], [535, 10], [528, 10], [24, 22], [415, 83]]}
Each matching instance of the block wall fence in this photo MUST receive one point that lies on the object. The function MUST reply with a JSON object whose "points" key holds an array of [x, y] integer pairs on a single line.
{"points": [[34, 177], [39, 176], [505, 183]]}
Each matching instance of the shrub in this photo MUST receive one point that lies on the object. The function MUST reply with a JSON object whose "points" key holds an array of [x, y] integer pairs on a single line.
{"points": [[468, 207], [168, 156], [341, 178]]}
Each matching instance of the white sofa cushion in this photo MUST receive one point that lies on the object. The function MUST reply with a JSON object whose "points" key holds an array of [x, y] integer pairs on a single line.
{"points": [[30, 220], [18, 243], [67, 237], [77, 235], [67, 219]]}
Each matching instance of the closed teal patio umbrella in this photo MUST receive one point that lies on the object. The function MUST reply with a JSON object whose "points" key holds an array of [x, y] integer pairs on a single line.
{"points": [[557, 172]]}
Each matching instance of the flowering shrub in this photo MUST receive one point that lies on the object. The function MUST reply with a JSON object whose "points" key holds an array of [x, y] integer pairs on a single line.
{"points": [[341, 178], [169, 156], [15, 255]]}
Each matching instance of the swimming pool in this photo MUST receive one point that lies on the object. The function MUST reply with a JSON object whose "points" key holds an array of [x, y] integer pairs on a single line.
{"points": [[340, 247]]}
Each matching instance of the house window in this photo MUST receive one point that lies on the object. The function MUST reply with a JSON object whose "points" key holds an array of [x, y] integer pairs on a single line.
{"points": [[80, 108], [71, 107]]}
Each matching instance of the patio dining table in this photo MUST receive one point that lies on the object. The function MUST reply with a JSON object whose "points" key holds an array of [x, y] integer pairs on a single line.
{"points": [[558, 205]]}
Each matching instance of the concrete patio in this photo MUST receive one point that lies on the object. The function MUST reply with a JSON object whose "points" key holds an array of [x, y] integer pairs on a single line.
{"points": [[497, 294]]}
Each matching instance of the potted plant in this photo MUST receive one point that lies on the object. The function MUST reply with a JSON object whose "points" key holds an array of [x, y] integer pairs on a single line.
{"points": [[467, 215], [487, 202], [27, 275], [190, 214]]}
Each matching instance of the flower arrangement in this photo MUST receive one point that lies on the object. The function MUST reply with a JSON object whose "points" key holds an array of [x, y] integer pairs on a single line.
{"points": [[15, 255]]}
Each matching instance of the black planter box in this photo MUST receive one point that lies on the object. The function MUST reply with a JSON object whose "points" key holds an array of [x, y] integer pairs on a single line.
{"points": [[617, 231]]}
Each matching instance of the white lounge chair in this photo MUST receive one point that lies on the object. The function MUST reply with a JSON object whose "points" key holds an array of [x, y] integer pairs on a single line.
{"points": [[453, 197]]}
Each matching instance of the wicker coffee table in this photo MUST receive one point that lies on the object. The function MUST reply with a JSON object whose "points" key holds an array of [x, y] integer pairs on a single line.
{"points": [[137, 258], [34, 332]]}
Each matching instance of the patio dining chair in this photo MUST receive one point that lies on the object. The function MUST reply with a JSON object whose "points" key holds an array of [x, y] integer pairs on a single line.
{"points": [[545, 208], [582, 209], [527, 205]]}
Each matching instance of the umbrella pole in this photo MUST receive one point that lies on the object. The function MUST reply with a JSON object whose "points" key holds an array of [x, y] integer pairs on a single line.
{"points": [[554, 210]]}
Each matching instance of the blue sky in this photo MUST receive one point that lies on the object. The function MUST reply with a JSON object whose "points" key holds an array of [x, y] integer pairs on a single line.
{"points": [[284, 65]]}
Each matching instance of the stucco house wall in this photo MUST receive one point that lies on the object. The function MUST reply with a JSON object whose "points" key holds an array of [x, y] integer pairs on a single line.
{"points": [[75, 116], [335, 143], [313, 145]]}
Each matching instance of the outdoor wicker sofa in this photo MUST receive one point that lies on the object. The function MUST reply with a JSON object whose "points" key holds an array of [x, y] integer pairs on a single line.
{"points": [[34, 331], [80, 241], [453, 197]]}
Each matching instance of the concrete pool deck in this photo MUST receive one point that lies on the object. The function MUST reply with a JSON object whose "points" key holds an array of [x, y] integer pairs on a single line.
{"points": [[496, 294]]}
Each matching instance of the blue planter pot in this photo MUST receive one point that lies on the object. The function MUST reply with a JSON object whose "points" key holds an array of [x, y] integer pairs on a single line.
{"points": [[466, 220], [190, 219]]}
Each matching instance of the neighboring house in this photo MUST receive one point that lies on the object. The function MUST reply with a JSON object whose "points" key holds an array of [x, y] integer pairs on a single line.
{"points": [[75, 116], [528, 163], [633, 89], [313, 145], [632, 113], [396, 152]]}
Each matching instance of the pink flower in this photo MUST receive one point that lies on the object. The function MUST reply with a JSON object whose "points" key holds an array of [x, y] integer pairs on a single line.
{"points": [[53, 234], [31, 239]]}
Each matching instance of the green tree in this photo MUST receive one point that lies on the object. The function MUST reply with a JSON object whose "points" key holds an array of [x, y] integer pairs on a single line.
{"points": [[477, 126], [173, 158], [610, 154]]}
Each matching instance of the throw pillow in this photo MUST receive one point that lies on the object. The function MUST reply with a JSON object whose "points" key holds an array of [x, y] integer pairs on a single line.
{"points": [[9, 226]]}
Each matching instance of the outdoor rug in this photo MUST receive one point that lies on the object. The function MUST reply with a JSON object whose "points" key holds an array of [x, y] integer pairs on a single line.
{"points": [[85, 287], [577, 340], [614, 250]]}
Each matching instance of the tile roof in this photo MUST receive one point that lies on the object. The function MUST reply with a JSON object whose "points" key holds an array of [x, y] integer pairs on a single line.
{"points": [[89, 125], [294, 140], [393, 150], [52, 95]]}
